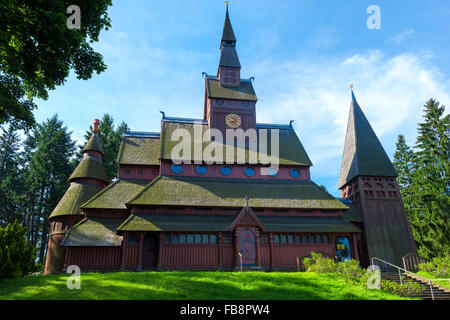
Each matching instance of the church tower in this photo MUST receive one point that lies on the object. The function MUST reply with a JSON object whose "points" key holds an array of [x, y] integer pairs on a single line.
{"points": [[87, 180], [368, 179], [229, 100]]}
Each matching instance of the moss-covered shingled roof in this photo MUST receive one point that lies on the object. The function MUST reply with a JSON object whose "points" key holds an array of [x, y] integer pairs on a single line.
{"points": [[244, 92], [363, 153], [115, 195], [291, 151], [211, 192], [93, 144], [229, 57], [77, 194], [307, 224], [193, 223], [139, 151], [90, 167], [93, 232], [175, 222]]}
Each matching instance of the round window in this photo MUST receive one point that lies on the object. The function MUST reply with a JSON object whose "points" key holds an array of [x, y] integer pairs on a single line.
{"points": [[201, 169], [177, 168], [294, 173], [272, 172], [226, 171], [249, 171]]}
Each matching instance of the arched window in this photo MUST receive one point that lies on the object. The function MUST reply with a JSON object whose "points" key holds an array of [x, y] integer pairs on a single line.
{"points": [[343, 248]]}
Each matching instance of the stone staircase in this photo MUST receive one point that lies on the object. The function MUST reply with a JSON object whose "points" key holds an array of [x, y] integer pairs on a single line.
{"points": [[440, 293]]}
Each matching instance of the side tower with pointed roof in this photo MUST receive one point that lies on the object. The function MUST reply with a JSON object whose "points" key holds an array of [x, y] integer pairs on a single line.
{"points": [[87, 180], [368, 179]]}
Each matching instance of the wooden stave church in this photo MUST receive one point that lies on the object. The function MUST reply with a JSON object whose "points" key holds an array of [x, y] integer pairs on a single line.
{"points": [[153, 217]]}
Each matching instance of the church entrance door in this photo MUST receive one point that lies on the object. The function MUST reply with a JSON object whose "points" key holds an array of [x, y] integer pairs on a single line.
{"points": [[150, 251], [248, 250]]}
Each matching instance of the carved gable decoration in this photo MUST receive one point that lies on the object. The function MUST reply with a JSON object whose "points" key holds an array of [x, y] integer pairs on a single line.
{"points": [[247, 218]]}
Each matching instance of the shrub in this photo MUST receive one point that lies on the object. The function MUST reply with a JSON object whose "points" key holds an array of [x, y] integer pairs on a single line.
{"points": [[320, 264], [17, 256], [407, 289], [350, 270], [439, 266]]}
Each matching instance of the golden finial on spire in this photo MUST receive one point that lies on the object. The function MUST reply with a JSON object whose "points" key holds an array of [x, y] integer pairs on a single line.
{"points": [[351, 86]]}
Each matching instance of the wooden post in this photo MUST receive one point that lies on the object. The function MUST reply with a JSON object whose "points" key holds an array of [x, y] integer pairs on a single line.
{"points": [[220, 248], [258, 248], [355, 247], [333, 243], [124, 243], [161, 239], [237, 262], [272, 261], [141, 245]]}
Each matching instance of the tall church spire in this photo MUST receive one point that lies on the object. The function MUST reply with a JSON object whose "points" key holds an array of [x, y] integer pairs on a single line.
{"points": [[363, 152], [227, 34], [229, 66]]}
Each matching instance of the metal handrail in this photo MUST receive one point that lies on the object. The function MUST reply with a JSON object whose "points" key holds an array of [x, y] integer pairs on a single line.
{"points": [[406, 271]]}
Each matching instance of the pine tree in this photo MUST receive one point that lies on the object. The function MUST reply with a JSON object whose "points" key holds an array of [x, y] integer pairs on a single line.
{"points": [[48, 151], [404, 163], [11, 182], [430, 187]]}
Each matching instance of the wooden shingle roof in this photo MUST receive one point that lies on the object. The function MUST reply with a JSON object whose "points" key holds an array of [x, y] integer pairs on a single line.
{"points": [[215, 223], [220, 192], [93, 232], [90, 167], [139, 150], [115, 195], [244, 92], [93, 144], [363, 153], [291, 151], [77, 194]]}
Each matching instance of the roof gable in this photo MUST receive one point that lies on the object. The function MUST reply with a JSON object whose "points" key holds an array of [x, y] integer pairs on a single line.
{"points": [[248, 218]]}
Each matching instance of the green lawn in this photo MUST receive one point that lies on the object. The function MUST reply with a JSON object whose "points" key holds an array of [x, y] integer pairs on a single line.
{"points": [[431, 275], [190, 285]]}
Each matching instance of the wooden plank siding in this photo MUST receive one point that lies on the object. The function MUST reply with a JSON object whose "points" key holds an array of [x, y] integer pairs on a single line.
{"points": [[94, 258], [387, 230]]}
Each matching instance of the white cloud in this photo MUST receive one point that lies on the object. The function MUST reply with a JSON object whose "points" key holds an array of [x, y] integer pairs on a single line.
{"points": [[400, 37], [390, 90]]}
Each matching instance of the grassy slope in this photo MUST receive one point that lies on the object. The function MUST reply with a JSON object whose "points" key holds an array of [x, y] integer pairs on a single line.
{"points": [[431, 275], [190, 285]]}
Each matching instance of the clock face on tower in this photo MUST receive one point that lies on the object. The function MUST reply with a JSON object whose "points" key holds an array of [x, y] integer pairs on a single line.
{"points": [[233, 120]]}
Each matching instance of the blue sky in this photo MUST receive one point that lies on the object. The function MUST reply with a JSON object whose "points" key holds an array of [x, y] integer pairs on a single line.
{"points": [[302, 53]]}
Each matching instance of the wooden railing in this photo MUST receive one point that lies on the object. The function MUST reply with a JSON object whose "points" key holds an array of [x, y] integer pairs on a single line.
{"points": [[411, 262]]}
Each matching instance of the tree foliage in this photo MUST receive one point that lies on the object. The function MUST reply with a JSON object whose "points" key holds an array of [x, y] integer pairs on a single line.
{"points": [[47, 153], [16, 254], [38, 50], [424, 180]]}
